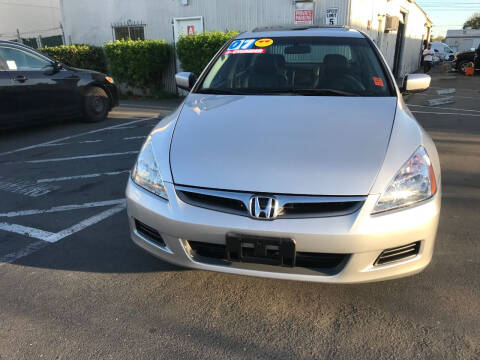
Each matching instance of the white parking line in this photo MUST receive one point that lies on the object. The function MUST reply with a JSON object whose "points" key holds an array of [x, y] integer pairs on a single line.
{"points": [[444, 108], [85, 223], [63, 208], [27, 250], [77, 135], [134, 137], [47, 237], [81, 157], [457, 96], [26, 187], [440, 113], [56, 144], [25, 230], [125, 105], [86, 176], [124, 128], [89, 141]]}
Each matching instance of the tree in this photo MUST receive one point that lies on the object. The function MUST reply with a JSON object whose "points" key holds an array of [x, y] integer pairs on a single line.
{"points": [[438, 38], [473, 22]]}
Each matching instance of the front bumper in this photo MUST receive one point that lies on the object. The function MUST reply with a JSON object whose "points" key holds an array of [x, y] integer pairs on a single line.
{"points": [[113, 94], [360, 235]]}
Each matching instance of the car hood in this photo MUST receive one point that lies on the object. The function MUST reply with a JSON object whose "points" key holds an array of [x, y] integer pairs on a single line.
{"points": [[469, 52], [282, 144]]}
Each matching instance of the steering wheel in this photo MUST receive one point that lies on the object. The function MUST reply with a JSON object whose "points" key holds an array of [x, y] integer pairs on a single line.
{"points": [[351, 83]]}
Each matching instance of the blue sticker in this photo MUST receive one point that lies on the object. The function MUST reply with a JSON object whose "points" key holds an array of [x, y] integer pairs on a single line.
{"points": [[242, 44]]}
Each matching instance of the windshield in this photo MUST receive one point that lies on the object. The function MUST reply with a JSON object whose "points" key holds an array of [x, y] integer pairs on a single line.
{"points": [[321, 66]]}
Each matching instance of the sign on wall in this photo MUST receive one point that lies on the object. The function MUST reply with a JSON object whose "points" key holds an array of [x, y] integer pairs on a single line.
{"points": [[187, 26], [303, 13], [331, 16]]}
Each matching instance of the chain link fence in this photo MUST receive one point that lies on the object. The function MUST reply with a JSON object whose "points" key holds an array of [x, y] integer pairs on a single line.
{"points": [[37, 39]]}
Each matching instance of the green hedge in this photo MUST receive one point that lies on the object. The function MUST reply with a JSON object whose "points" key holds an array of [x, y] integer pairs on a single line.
{"points": [[195, 51], [138, 63], [79, 56]]}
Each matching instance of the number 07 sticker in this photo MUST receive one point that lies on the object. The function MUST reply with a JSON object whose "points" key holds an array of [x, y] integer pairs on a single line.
{"points": [[241, 44]]}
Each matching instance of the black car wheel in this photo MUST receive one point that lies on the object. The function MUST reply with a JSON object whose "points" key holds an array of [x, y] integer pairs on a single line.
{"points": [[96, 105]]}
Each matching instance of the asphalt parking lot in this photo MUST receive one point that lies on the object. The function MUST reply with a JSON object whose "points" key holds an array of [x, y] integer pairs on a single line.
{"points": [[74, 286]]}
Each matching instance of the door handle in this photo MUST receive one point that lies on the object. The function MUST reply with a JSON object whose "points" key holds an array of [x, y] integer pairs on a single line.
{"points": [[21, 78]]}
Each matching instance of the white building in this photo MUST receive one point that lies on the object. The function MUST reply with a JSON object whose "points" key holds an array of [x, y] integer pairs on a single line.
{"points": [[30, 20], [397, 26], [463, 40]]}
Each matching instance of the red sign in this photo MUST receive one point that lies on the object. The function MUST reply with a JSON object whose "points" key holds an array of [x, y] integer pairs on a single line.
{"points": [[377, 81], [190, 30], [304, 17]]}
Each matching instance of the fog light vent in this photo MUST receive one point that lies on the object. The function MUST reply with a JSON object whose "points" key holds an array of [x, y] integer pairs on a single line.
{"points": [[149, 233], [398, 253]]}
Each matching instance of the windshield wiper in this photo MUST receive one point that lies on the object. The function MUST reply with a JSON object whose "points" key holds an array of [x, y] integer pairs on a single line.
{"points": [[303, 92], [323, 92], [218, 92]]}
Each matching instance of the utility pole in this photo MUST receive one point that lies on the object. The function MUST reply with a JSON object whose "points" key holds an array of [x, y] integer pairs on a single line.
{"points": [[19, 38], [63, 34]]}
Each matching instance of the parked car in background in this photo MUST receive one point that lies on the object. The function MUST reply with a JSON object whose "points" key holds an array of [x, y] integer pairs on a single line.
{"points": [[36, 88], [462, 59], [443, 51], [293, 157]]}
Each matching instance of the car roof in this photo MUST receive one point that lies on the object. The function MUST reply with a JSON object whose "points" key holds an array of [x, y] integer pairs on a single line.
{"points": [[7, 42], [280, 31]]}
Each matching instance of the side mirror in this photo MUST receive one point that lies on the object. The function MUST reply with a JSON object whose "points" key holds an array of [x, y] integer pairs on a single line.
{"points": [[57, 66], [185, 80], [414, 83], [54, 68]]}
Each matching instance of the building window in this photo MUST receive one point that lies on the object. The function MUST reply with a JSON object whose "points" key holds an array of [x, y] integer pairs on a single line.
{"points": [[129, 30]]}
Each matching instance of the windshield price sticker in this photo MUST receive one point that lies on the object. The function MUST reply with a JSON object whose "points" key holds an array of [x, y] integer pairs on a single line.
{"points": [[245, 46], [377, 81], [241, 44], [246, 51]]}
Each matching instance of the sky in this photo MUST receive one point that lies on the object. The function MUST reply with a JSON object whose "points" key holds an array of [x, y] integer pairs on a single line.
{"points": [[448, 14]]}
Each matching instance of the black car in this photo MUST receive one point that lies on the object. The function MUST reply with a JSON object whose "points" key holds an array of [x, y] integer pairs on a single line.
{"points": [[35, 88], [461, 60]]}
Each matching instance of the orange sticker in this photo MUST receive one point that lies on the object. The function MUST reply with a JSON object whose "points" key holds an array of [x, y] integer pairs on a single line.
{"points": [[263, 42], [377, 81]]}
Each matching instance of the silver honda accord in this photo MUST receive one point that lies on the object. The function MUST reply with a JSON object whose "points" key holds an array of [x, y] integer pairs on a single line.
{"points": [[292, 157]]}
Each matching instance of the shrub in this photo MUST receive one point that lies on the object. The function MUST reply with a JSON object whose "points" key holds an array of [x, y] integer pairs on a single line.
{"points": [[195, 51], [79, 56], [138, 63]]}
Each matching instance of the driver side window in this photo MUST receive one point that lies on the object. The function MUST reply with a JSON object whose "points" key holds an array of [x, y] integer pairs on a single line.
{"points": [[19, 60]]}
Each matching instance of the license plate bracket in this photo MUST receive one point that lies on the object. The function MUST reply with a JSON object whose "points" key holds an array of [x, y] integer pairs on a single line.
{"points": [[260, 250]]}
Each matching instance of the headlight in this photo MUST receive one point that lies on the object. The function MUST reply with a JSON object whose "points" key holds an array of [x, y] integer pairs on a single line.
{"points": [[414, 182], [145, 173]]}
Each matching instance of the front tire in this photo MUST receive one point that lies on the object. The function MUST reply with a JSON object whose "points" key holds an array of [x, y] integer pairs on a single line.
{"points": [[96, 105]]}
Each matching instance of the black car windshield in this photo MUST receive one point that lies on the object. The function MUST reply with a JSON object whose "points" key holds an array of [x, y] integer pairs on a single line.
{"points": [[311, 66]]}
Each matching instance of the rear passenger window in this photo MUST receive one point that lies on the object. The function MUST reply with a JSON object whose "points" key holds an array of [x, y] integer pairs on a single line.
{"points": [[19, 60]]}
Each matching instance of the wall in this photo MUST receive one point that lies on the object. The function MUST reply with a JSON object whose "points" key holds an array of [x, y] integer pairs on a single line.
{"points": [[463, 40], [89, 21], [369, 16], [31, 17]]}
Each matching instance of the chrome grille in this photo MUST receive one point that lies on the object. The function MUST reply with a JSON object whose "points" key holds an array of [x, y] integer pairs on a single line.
{"points": [[290, 206]]}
